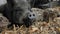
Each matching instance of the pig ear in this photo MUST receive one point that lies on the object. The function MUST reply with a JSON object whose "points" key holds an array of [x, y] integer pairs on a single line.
{"points": [[10, 2]]}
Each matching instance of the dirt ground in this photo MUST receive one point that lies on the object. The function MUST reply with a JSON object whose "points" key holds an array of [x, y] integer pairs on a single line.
{"points": [[52, 27]]}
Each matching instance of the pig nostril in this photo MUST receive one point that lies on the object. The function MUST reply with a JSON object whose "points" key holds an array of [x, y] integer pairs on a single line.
{"points": [[30, 15], [33, 14]]}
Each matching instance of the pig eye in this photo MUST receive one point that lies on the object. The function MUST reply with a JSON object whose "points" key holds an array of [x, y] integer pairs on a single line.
{"points": [[1, 18], [33, 14]]}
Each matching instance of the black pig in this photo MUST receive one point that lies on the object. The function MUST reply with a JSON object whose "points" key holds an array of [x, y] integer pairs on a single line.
{"points": [[17, 12]]}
